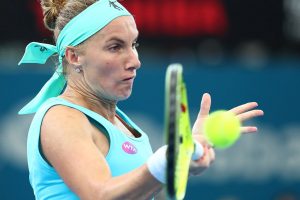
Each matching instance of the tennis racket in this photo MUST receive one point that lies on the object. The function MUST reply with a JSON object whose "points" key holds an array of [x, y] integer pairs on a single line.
{"points": [[178, 133]]}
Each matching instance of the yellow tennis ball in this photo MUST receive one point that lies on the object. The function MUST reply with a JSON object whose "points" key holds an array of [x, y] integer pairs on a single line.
{"points": [[222, 128]]}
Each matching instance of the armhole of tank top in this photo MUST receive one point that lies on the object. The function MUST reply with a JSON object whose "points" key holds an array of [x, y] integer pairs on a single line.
{"points": [[92, 121], [39, 139], [42, 153], [100, 127]]}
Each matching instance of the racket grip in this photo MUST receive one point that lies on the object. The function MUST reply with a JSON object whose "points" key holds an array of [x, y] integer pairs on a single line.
{"points": [[198, 151]]}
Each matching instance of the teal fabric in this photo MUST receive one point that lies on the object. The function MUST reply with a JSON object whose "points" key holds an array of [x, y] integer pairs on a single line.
{"points": [[52, 88], [46, 182], [79, 29]]}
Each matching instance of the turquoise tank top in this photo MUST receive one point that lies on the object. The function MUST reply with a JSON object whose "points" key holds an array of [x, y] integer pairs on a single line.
{"points": [[125, 153]]}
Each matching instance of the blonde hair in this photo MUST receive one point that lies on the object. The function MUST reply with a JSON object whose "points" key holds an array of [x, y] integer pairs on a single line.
{"points": [[57, 13]]}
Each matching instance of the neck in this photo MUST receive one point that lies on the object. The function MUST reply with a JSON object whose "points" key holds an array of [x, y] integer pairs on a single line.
{"points": [[102, 106]]}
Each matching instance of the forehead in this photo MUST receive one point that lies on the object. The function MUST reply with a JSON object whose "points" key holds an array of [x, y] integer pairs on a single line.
{"points": [[124, 26]]}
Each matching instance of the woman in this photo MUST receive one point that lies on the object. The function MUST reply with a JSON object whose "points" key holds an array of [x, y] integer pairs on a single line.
{"points": [[80, 145]]}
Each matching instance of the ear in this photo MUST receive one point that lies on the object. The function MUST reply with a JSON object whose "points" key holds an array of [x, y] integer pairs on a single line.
{"points": [[72, 56]]}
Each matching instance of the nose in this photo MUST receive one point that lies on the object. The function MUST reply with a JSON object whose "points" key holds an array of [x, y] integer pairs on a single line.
{"points": [[133, 61]]}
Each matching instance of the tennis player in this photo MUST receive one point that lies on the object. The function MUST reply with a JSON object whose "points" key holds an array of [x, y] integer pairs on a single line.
{"points": [[80, 145]]}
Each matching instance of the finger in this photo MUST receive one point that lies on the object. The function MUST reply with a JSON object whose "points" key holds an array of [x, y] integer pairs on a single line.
{"points": [[212, 155], [207, 159], [250, 114], [248, 129], [243, 108], [203, 113], [198, 166], [204, 161], [202, 140], [205, 106]]}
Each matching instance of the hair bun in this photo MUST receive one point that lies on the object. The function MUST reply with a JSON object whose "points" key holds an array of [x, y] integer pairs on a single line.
{"points": [[51, 10]]}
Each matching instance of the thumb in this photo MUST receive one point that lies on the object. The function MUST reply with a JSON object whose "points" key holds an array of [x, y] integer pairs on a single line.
{"points": [[204, 106], [203, 113]]}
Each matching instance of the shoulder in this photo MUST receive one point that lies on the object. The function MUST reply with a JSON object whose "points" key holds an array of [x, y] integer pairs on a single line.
{"points": [[63, 119], [63, 111], [66, 140], [64, 132]]}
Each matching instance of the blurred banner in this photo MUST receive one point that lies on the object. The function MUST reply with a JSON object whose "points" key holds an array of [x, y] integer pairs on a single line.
{"points": [[231, 21], [259, 166]]}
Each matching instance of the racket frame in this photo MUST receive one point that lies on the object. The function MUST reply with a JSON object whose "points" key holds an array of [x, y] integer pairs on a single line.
{"points": [[177, 133]]}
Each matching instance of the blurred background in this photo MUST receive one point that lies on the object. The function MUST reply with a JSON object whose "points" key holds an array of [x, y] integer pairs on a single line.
{"points": [[238, 51]]}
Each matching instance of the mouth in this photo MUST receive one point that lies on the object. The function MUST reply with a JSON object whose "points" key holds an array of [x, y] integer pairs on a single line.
{"points": [[129, 78]]}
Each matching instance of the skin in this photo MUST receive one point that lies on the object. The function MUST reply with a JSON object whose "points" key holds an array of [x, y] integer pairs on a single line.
{"points": [[76, 149], [244, 112]]}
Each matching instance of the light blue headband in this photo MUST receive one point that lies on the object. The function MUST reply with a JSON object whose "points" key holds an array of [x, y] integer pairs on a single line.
{"points": [[79, 29]]}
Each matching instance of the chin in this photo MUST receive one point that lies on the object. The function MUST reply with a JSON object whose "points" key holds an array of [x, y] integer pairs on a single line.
{"points": [[123, 96]]}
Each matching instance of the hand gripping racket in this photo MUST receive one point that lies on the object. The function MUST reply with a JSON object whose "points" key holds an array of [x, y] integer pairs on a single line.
{"points": [[178, 133]]}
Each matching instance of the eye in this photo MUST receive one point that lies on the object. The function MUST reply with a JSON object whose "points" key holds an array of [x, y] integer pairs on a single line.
{"points": [[135, 45], [114, 48]]}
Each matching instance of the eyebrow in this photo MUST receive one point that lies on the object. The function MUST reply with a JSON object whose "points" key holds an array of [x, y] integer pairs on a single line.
{"points": [[114, 38]]}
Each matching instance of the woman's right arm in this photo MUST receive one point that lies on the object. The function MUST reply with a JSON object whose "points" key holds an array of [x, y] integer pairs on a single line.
{"points": [[67, 143]]}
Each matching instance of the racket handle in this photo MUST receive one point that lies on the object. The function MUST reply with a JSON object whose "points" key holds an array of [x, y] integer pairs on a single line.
{"points": [[198, 151]]}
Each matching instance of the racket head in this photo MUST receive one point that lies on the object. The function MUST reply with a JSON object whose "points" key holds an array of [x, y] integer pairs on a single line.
{"points": [[177, 133]]}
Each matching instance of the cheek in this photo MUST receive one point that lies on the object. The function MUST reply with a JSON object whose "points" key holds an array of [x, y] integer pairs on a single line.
{"points": [[102, 70], [97, 67], [104, 75], [108, 70]]}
